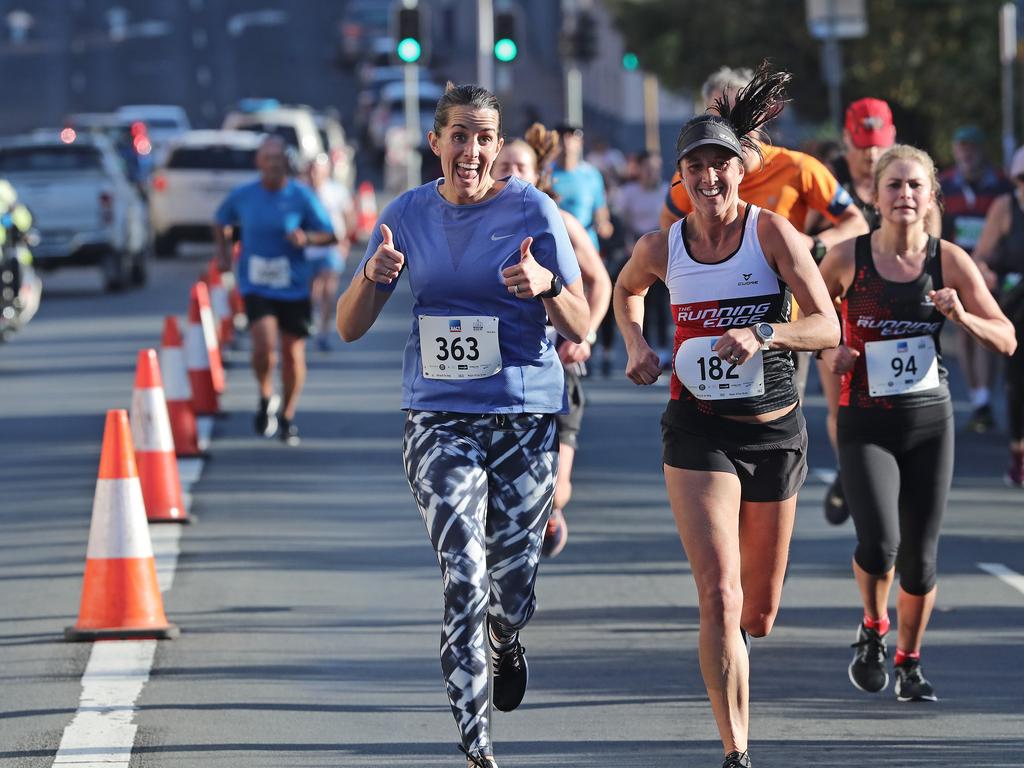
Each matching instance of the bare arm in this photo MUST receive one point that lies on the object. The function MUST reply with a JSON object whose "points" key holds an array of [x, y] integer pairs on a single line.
{"points": [[568, 311], [837, 271], [817, 327], [997, 224], [222, 246], [967, 302], [850, 223], [361, 303], [647, 264], [596, 283]]}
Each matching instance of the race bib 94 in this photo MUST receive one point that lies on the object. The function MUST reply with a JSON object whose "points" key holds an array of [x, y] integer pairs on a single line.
{"points": [[709, 377], [901, 366], [459, 347]]}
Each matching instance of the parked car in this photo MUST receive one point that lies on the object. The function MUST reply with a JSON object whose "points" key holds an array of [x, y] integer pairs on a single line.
{"points": [[164, 122], [130, 139], [85, 208], [294, 124], [390, 112], [332, 136], [200, 169]]}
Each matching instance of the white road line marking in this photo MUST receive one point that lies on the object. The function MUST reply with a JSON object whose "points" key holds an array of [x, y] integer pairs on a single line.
{"points": [[102, 732], [1003, 573]]}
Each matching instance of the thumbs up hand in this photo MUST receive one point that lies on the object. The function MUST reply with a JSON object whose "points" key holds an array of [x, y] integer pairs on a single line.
{"points": [[387, 261], [527, 278]]}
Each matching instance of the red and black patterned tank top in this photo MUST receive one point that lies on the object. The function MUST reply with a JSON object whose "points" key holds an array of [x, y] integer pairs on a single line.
{"points": [[737, 292], [876, 310]]}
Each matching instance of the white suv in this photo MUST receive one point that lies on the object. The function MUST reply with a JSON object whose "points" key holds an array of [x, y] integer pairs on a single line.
{"points": [[200, 169], [85, 208], [293, 124]]}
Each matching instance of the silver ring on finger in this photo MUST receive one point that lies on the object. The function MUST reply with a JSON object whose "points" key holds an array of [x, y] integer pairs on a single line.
{"points": [[515, 289], [734, 359]]}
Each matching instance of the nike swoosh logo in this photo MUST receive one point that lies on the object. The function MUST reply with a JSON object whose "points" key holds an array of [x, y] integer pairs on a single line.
{"points": [[496, 236]]}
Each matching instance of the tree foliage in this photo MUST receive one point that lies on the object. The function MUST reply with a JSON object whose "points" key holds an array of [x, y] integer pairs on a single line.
{"points": [[935, 61]]}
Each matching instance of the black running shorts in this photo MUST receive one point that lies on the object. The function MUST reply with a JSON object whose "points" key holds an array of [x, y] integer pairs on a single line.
{"points": [[770, 458], [293, 317], [569, 423]]}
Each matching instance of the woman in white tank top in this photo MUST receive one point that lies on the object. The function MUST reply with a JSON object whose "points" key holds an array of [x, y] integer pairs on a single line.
{"points": [[734, 436]]}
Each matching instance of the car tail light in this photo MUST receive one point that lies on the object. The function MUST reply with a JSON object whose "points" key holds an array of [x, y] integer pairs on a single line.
{"points": [[106, 208], [159, 182]]}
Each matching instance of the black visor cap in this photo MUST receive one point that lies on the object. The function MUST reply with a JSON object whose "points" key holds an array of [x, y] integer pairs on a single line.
{"points": [[706, 132]]}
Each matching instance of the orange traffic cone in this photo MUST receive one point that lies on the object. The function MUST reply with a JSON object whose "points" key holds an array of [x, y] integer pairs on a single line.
{"points": [[202, 356], [366, 204], [177, 391], [120, 593], [154, 444], [221, 306]]}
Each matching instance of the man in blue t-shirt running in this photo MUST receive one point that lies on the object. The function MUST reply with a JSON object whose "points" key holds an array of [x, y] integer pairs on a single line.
{"points": [[278, 218]]}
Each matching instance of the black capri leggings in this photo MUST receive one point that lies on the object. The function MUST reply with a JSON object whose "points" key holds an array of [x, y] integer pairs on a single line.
{"points": [[896, 468]]}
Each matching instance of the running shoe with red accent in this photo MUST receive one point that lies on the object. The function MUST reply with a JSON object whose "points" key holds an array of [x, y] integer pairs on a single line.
{"points": [[911, 684], [1015, 472], [556, 534], [867, 670]]}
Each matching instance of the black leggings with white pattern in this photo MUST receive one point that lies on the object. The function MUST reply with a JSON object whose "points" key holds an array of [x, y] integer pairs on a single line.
{"points": [[484, 486]]}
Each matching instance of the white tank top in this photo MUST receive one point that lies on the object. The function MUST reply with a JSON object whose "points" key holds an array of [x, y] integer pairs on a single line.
{"points": [[737, 292]]}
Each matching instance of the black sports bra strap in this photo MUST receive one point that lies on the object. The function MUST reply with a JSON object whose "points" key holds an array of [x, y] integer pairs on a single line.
{"points": [[862, 252]]}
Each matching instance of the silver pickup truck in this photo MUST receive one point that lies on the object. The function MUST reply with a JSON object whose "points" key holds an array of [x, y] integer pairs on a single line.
{"points": [[85, 209]]}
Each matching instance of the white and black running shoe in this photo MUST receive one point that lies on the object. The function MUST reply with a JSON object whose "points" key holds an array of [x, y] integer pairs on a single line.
{"points": [[288, 432], [867, 670], [737, 760], [911, 684], [266, 416], [509, 670], [477, 759]]}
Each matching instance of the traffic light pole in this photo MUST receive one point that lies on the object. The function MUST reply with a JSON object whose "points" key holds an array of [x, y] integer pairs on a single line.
{"points": [[574, 94], [412, 125], [485, 47]]}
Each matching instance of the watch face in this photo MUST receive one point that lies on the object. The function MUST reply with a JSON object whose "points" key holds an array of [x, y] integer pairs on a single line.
{"points": [[765, 331]]}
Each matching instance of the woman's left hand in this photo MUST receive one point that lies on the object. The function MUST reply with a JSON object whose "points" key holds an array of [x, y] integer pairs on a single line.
{"points": [[948, 303], [528, 278], [736, 346]]}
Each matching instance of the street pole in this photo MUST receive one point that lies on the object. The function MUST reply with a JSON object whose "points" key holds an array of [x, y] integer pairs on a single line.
{"points": [[574, 95], [412, 125], [652, 122], [1008, 57], [485, 48]]}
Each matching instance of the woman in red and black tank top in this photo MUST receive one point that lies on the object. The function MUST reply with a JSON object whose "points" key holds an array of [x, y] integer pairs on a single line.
{"points": [[733, 433], [895, 427]]}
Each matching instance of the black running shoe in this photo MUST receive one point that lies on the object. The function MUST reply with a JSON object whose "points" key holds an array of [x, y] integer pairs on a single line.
{"points": [[737, 760], [746, 639], [836, 510], [266, 416], [867, 670], [981, 420], [477, 759], [288, 432], [910, 683], [510, 673]]}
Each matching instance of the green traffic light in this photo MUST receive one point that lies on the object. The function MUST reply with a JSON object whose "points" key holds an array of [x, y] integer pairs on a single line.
{"points": [[505, 49], [630, 62], [409, 50]]}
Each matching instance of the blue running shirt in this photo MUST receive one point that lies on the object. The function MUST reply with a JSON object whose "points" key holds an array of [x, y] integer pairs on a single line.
{"points": [[454, 256], [581, 193], [269, 264]]}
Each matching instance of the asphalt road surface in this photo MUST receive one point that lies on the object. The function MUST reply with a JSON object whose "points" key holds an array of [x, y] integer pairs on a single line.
{"points": [[309, 597]]}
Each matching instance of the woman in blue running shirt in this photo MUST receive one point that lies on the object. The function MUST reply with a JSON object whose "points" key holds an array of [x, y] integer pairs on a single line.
{"points": [[488, 263]]}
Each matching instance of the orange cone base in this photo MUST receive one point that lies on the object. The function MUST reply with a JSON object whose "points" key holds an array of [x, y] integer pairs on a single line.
{"points": [[76, 635], [121, 599]]}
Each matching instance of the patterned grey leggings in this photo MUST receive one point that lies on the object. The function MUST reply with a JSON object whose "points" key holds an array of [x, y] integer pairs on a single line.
{"points": [[484, 485]]}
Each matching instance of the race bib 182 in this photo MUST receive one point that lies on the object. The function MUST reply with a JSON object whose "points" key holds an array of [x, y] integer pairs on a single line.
{"points": [[709, 377]]}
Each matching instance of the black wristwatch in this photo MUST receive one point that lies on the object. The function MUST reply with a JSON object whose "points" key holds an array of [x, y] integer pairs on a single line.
{"points": [[818, 250], [554, 290]]}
